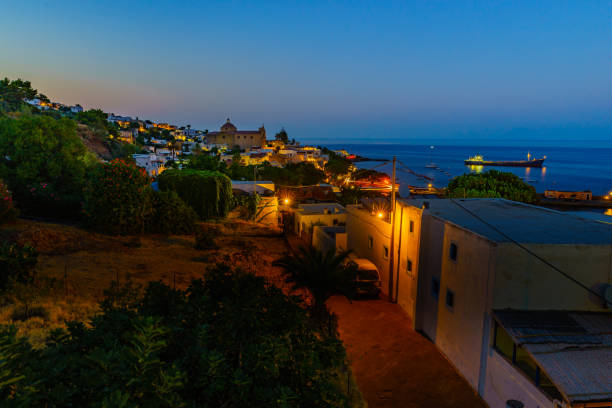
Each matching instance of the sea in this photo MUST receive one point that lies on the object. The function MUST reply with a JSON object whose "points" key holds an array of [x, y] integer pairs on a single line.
{"points": [[565, 168]]}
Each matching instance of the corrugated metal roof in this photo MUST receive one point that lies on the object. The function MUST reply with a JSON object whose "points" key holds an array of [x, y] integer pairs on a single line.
{"points": [[573, 348]]}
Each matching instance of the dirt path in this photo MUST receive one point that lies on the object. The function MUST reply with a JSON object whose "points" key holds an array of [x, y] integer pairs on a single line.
{"points": [[394, 365]]}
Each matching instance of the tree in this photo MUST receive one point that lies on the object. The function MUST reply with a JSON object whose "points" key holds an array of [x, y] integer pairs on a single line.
{"points": [[282, 136], [492, 184], [42, 149], [323, 273], [117, 198], [13, 93], [338, 166]]}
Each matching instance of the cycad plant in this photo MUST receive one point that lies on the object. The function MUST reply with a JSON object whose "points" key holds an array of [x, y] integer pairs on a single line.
{"points": [[323, 273]]}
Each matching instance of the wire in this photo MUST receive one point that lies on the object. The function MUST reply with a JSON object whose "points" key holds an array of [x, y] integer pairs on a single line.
{"points": [[577, 282]]}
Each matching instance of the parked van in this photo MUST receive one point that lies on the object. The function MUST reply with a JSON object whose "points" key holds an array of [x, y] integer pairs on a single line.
{"points": [[368, 277]]}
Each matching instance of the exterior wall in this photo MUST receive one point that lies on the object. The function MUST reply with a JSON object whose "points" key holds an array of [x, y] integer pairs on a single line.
{"points": [[360, 225], [406, 246], [430, 268], [524, 282], [321, 240], [504, 382], [243, 140], [267, 211], [462, 329], [304, 222]]}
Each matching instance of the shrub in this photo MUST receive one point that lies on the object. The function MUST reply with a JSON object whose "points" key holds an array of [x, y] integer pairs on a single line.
{"points": [[16, 263], [118, 198], [8, 212], [209, 193], [248, 202], [42, 199], [170, 214], [228, 340], [492, 184]]}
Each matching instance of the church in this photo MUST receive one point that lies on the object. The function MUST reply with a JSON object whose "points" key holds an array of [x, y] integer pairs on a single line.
{"points": [[229, 135]]}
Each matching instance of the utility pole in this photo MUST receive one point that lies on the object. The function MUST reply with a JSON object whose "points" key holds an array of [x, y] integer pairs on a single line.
{"points": [[254, 179], [391, 251]]}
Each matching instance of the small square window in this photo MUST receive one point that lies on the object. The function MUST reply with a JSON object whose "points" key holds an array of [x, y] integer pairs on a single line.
{"points": [[409, 266], [370, 242], [435, 287], [452, 253], [450, 299], [385, 252], [411, 226]]}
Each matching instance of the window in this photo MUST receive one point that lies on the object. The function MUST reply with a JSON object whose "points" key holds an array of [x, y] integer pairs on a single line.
{"points": [[452, 253], [435, 287], [409, 266], [370, 242], [519, 358], [450, 299], [411, 226], [385, 252]]}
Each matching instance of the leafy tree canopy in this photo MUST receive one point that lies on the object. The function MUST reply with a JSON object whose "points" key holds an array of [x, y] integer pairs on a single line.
{"points": [[282, 136], [230, 340], [492, 184], [42, 149], [13, 93]]}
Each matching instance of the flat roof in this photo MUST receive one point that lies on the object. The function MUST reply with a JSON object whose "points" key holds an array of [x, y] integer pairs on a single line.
{"points": [[523, 223], [319, 208], [573, 348]]}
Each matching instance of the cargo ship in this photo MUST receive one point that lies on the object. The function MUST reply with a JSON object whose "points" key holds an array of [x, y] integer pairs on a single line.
{"points": [[479, 161]]}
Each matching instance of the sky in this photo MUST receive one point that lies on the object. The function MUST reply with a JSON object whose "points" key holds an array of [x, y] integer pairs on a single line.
{"points": [[382, 71]]}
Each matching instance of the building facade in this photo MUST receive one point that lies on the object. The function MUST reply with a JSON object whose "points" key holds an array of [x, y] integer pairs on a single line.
{"points": [[245, 139]]}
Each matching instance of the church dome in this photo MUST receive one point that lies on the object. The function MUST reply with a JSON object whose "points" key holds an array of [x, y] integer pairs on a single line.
{"points": [[228, 126]]}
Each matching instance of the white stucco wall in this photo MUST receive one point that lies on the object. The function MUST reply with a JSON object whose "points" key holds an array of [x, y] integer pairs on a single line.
{"points": [[459, 332], [504, 382]]}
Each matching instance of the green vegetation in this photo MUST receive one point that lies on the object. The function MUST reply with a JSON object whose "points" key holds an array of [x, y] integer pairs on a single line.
{"points": [[338, 166], [282, 136], [117, 198], [230, 340], [209, 193], [40, 149], [323, 273], [13, 93], [170, 214], [8, 211], [492, 184], [96, 119], [16, 264]]}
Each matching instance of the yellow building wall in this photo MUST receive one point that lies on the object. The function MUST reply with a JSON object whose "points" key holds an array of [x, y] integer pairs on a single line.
{"points": [[524, 282]]}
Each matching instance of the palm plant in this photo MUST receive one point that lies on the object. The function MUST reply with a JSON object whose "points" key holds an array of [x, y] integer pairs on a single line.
{"points": [[323, 273]]}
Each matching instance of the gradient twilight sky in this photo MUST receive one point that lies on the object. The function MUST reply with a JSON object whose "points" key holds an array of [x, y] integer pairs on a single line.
{"points": [[406, 71]]}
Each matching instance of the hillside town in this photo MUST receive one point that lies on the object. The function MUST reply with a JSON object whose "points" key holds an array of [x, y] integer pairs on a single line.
{"points": [[515, 298]]}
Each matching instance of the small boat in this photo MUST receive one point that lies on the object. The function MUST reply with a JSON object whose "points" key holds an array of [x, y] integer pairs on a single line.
{"points": [[478, 160]]}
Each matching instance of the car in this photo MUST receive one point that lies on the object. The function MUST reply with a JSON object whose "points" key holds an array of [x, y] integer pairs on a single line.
{"points": [[368, 280]]}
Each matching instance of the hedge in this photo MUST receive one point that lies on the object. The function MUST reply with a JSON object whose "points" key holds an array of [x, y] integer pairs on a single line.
{"points": [[209, 193]]}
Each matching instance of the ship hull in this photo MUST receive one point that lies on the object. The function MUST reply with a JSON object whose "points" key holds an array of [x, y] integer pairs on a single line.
{"points": [[520, 163]]}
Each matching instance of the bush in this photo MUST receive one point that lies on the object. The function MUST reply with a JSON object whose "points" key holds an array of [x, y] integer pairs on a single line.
{"points": [[248, 202], [118, 198], [41, 149], [16, 263], [42, 199], [209, 193], [8, 212], [170, 214], [228, 340], [492, 184]]}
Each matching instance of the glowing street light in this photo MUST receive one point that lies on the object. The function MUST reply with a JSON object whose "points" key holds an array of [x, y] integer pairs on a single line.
{"points": [[380, 214], [286, 201]]}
